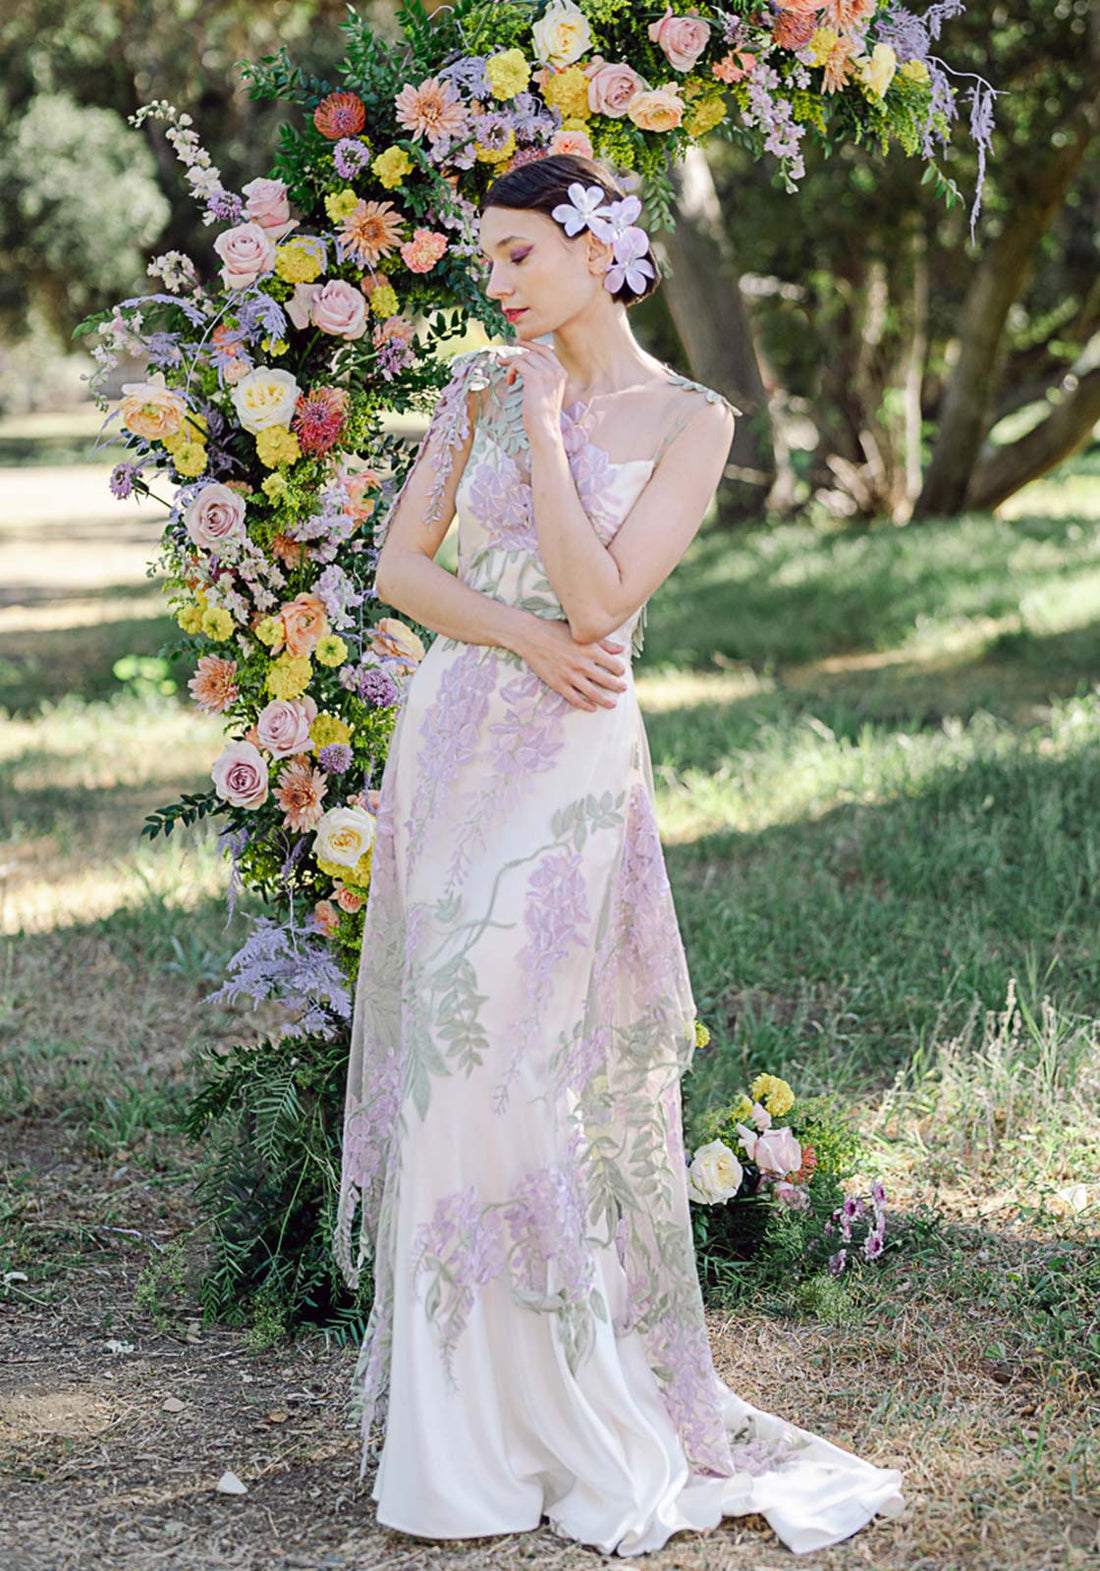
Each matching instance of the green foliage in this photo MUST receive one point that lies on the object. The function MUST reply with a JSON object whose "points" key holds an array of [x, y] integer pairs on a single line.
{"points": [[191, 806]]}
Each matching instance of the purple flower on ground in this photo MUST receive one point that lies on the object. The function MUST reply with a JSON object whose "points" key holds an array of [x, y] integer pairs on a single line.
{"points": [[872, 1245], [837, 1262], [335, 759]]}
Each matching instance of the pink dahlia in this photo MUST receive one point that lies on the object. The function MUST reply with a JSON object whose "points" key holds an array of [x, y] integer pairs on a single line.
{"points": [[214, 684]]}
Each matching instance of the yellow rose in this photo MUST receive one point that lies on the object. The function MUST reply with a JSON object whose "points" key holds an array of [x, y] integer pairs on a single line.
{"points": [[657, 110], [152, 409], [876, 71], [344, 835], [562, 34], [391, 167]]}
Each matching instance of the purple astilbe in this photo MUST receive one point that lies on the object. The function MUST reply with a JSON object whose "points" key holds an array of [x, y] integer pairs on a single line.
{"points": [[294, 968]]}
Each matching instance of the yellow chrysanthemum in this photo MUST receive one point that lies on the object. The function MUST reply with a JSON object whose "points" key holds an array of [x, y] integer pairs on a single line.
{"points": [[740, 1109], [391, 167], [568, 91], [775, 1094], [331, 650], [289, 676], [268, 630], [338, 204], [190, 618], [705, 116], [217, 623], [383, 301], [277, 444], [508, 73], [915, 70], [823, 41], [496, 155], [702, 1035], [299, 261], [274, 487], [327, 729], [190, 459]]}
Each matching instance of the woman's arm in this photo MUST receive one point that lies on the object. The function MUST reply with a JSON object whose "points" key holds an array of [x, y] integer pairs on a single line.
{"points": [[600, 586]]}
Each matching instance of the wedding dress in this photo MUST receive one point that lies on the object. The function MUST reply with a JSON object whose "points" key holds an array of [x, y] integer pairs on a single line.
{"points": [[513, 1142]]}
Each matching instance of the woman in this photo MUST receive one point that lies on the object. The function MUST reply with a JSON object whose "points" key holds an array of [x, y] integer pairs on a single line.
{"points": [[524, 1015]]}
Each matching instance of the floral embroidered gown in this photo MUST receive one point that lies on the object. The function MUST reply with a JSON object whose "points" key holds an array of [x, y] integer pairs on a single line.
{"points": [[513, 1164]]}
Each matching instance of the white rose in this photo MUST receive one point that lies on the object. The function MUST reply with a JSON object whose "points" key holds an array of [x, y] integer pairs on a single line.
{"points": [[265, 397], [715, 1173], [344, 834], [561, 34]]}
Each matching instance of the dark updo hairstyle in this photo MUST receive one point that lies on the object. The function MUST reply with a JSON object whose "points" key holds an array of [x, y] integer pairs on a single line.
{"points": [[539, 184]]}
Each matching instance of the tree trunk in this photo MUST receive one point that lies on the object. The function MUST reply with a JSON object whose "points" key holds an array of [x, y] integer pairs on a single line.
{"points": [[1065, 430], [704, 298], [998, 282]]}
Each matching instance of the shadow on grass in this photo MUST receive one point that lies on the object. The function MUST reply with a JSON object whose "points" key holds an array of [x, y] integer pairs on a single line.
{"points": [[38, 667]]}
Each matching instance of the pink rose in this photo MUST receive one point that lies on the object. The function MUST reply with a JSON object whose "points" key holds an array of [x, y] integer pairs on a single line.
{"points": [[659, 109], [246, 252], [240, 775], [610, 89], [300, 304], [267, 205], [339, 309], [283, 726], [214, 517], [681, 39], [777, 1153]]}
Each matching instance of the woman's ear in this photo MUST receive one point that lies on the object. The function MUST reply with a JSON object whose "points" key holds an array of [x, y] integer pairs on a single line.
{"points": [[599, 253]]}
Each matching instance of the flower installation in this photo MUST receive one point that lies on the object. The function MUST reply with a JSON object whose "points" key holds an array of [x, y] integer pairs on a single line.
{"points": [[331, 287]]}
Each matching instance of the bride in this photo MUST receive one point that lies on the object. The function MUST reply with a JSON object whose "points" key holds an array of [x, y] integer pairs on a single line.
{"points": [[513, 1163]]}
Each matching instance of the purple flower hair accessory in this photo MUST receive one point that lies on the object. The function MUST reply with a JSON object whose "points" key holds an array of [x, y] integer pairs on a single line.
{"points": [[613, 221]]}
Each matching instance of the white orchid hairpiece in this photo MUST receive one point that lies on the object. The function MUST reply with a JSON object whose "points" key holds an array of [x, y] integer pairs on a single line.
{"points": [[614, 221]]}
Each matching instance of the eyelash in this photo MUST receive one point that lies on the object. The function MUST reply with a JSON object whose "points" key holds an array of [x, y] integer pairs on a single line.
{"points": [[516, 260]]}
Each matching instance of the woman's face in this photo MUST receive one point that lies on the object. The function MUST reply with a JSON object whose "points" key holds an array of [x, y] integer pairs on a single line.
{"points": [[540, 276]]}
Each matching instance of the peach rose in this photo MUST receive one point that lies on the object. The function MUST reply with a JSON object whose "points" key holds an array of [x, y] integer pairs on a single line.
{"points": [[347, 900], [361, 503], [681, 39], [300, 304], [394, 641], [240, 775], [246, 252], [283, 726], [305, 620], [152, 409], [657, 110], [576, 142], [611, 88], [214, 517], [267, 205], [327, 917], [339, 309]]}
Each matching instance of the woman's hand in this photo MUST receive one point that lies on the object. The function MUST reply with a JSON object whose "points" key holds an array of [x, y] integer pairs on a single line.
{"points": [[544, 379], [586, 674]]}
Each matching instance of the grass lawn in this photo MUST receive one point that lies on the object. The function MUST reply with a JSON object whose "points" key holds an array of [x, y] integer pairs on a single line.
{"points": [[878, 765]]}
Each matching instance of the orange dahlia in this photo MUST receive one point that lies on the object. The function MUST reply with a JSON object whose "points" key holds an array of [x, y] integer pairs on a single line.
{"points": [[837, 68], [371, 230], [299, 793], [434, 109], [214, 684], [843, 14]]}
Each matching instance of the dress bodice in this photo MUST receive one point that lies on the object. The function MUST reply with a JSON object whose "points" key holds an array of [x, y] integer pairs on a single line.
{"points": [[498, 548]]}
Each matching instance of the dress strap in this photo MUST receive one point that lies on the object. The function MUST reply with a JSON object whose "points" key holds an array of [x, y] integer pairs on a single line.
{"points": [[711, 396]]}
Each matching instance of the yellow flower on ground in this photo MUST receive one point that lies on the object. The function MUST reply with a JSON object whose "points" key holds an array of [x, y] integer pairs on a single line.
{"points": [[508, 73], [331, 650], [327, 729], [217, 623], [190, 618], [190, 459], [390, 168], [568, 91], [702, 1035], [775, 1094], [338, 204], [383, 301], [277, 444], [299, 261], [274, 487], [289, 676]]}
